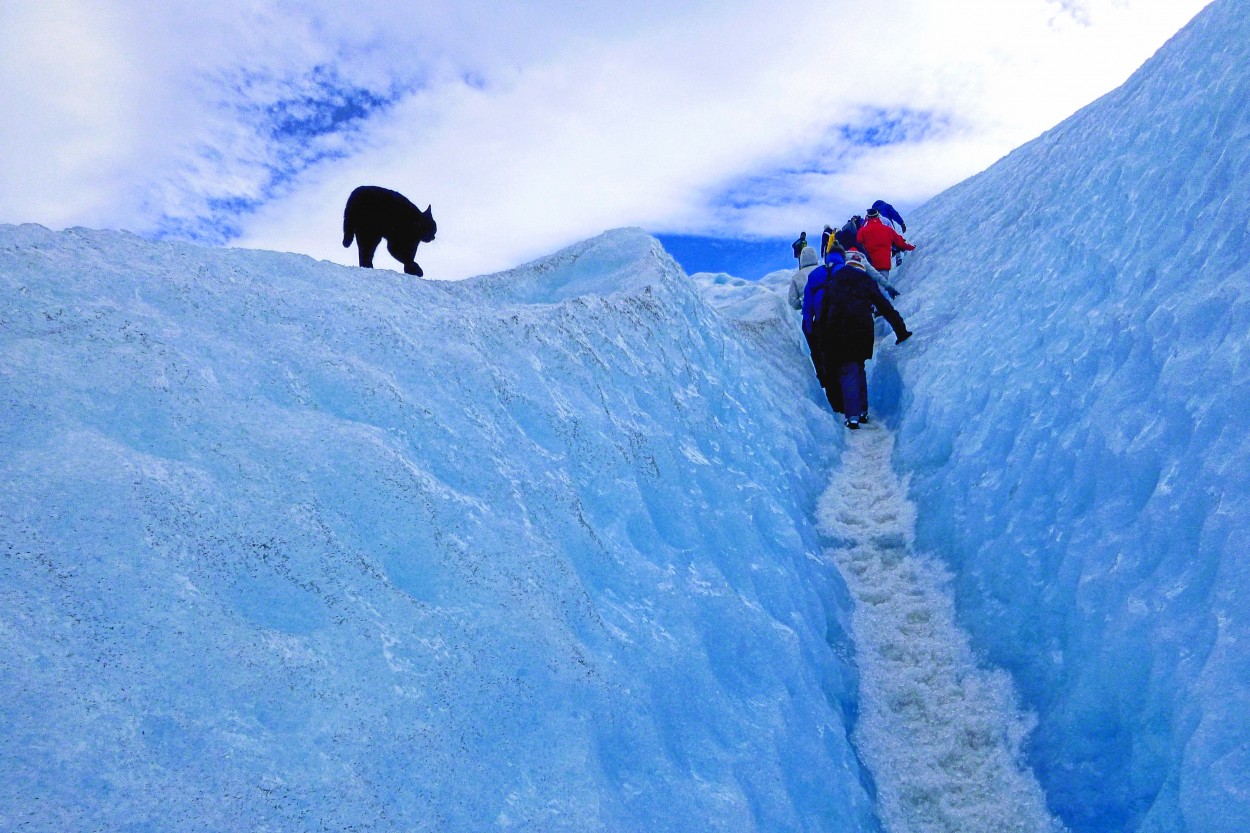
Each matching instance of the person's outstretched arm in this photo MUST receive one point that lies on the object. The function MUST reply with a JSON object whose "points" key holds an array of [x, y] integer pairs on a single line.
{"points": [[881, 280], [890, 314], [891, 213]]}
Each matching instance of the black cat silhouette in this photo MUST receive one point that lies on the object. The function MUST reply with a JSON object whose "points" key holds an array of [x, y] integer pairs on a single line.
{"points": [[373, 213]]}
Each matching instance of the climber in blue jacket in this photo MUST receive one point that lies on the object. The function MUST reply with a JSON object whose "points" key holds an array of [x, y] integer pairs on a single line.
{"points": [[844, 332], [813, 295], [888, 212]]}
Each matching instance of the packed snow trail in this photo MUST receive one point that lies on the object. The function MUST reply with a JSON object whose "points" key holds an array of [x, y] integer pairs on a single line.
{"points": [[941, 735]]}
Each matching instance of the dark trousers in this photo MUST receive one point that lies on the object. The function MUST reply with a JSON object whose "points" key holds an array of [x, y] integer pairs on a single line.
{"points": [[853, 382], [813, 348]]}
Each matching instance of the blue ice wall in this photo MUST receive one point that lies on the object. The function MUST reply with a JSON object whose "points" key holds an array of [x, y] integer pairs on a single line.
{"points": [[290, 546], [1076, 416]]}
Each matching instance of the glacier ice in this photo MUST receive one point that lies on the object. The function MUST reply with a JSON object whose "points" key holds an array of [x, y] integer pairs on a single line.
{"points": [[942, 734], [291, 546], [1076, 417], [288, 547]]}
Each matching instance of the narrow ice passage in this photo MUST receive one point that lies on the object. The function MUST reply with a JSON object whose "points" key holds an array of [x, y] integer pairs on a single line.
{"points": [[941, 735]]}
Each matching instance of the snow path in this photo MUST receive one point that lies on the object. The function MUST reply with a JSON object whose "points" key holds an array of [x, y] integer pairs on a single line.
{"points": [[941, 735]]}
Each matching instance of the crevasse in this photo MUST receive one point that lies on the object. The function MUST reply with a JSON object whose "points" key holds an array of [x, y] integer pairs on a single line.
{"points": [[941, 734]]}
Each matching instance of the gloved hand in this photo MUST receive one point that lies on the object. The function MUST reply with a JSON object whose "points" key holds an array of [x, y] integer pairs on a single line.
{"points": [[906, 335], [892, 292]]}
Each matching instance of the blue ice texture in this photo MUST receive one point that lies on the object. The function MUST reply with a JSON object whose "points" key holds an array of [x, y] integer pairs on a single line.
{"points": [[1075, 419], [289, 546]]}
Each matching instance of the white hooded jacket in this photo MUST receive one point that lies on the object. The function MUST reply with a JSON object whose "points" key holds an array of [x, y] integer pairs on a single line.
{"points": [[808, 260]]}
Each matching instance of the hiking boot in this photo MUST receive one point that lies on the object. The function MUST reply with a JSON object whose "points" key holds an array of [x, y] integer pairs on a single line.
{"points": [[853, 424], [863, 419]]}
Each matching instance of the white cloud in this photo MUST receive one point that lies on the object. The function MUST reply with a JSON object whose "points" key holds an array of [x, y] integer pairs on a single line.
{"points": [[535, 124]]}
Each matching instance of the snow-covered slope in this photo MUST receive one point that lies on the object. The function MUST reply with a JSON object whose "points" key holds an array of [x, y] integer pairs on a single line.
{"points": [[290, 546], [1076, 417]]}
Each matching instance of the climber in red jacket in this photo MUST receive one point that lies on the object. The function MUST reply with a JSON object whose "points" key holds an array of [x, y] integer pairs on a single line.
{"points": [[879, 241]]}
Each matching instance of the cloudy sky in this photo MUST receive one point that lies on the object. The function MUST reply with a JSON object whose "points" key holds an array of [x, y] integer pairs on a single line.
{"points": [[531, 125]]}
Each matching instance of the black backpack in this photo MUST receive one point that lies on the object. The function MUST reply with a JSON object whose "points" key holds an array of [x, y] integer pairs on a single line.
{"points": [[845, 308]]}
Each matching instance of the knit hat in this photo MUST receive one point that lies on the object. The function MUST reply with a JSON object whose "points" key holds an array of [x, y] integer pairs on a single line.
{"points": [[872, 212], [854, 258]]}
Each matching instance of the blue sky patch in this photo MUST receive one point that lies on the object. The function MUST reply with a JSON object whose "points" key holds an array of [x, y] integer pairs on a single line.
{"points": [[217, 227], [880, 127], [740, 257], [301, 123], [835, 152], [328, 104]]}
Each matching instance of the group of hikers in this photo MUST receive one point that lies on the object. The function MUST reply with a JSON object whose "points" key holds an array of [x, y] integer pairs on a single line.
{"points": [[838, 290]]}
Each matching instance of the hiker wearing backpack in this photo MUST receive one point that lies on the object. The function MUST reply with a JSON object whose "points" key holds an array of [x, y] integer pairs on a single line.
{"points": [[813, 295], [889, 215], [798, 281], [799, 245], [878, 241], [846, 234], [826, 242], [843, 329]]}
